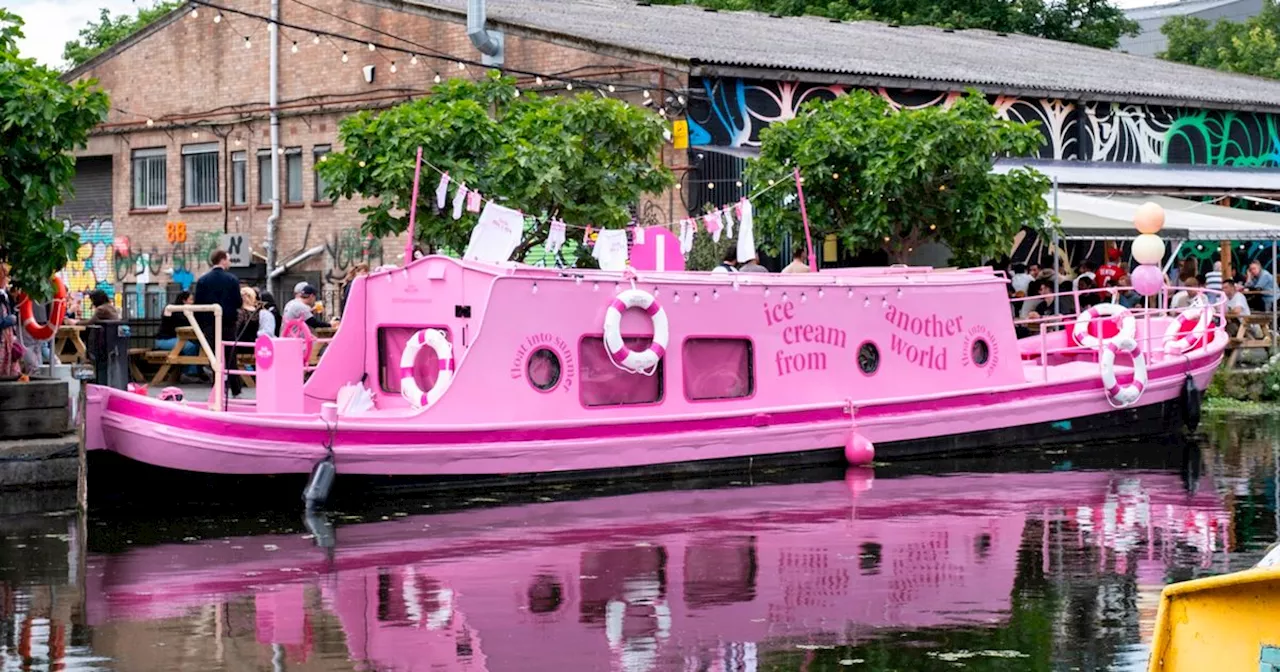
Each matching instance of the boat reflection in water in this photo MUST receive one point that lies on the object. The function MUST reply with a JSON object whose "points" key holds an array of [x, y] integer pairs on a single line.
{"points": [[686, 580]]}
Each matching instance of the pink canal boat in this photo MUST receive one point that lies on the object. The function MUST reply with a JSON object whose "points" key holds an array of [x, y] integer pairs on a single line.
{"points": [[653, 580], [453, 368]]}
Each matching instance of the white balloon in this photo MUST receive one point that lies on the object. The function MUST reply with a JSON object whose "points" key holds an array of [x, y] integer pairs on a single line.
{"points": [[1148, 249]]}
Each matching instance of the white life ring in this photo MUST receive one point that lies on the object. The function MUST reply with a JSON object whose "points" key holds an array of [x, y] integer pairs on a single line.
{"points": [[1123, 395], [646, 361], [444, 353], [1197, 337], [1080, 332]]}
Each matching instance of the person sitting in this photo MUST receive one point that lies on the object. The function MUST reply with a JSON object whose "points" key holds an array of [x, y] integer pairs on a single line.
{"points": [[1237, 307], [1184, 297], [167, 338], [103, 309], [753, 266]]}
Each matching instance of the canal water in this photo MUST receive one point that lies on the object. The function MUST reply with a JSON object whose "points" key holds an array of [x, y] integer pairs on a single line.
{"points": [[1025, 561]]}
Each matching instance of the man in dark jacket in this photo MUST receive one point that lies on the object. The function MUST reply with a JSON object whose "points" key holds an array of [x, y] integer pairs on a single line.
{"points": [[220, 287]]}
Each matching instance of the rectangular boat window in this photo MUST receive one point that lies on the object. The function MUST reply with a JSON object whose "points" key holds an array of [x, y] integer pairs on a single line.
{"points": [[604, 384], [391, 342], [718, 368]]}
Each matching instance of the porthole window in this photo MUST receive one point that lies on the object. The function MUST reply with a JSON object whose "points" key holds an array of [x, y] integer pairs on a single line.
{"points": [[868, 358], [543, 369], [980, 352]]}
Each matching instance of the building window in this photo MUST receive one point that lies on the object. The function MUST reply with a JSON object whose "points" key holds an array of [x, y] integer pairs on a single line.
{"points": [[718, 368], [318, 153], [264, 177], [200, 174], [604, 384], [293, 175], [239, 178], [148, 178]]}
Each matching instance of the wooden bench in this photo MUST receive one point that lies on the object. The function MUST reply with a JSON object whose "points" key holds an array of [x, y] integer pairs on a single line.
{"points": [[1243, 339]]}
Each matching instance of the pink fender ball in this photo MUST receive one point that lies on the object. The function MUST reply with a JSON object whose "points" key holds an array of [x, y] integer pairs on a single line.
{"points": [[1147, 279], [859, 450]]}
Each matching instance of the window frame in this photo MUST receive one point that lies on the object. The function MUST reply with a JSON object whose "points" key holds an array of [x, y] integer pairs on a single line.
{"points": [[382, 352], [660, 374], [290, 153], [264, 176], [188, 153], [148, 155], [239, 178], [318, 152], [751, 366]]}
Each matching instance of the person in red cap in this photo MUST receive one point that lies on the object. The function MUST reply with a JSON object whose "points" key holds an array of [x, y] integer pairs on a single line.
{"points": [[1111, 271]]}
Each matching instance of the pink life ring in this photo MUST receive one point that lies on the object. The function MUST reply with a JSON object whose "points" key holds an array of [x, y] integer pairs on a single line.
{"points": [[1188, 330], [444, 355], [1104, 315], [299, 329]]}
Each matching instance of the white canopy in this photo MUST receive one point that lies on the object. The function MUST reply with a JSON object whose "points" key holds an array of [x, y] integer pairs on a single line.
{"points": [[1089, 217]]}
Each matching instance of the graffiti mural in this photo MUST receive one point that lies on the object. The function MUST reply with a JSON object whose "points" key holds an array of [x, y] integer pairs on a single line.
{"points": [[731, 112], [91, 268], [347, 248]]}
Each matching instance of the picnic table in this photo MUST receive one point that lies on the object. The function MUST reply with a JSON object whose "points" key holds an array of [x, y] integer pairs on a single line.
{"points": [[324, 333], [1252, 331], [70, 334], [167, 359]]}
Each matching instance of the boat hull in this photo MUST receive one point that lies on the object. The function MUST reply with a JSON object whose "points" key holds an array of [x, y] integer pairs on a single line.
{"points": [[188, 439], [1223, 622]]}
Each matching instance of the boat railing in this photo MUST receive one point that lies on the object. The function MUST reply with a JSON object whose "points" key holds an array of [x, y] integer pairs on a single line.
{"points": [[212, 353], [1148, 341]]}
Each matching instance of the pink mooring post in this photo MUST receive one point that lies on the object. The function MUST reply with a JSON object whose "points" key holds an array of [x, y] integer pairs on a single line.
{"points": [[413, 208], [804, 216]]}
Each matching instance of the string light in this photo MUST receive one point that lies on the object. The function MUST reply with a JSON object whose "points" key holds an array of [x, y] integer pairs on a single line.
{"points": [[344, 57], [316, 39], [646, 94], [437, 79], [537, 80], [680, 99], [295, 47], [371, 47], [393, 66], [150, 123], [247, 43], [612, 88], [237, 142], [414, 60], [462, 66], [195, 13], [195, 134], [568, 87], [218, 18]]}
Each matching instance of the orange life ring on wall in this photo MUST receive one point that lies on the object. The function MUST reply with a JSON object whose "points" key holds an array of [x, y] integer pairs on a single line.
{"points": [[26, 312]]}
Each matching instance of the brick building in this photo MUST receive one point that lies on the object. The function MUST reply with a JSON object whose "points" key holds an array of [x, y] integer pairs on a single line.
{"points": [[181, 160]]}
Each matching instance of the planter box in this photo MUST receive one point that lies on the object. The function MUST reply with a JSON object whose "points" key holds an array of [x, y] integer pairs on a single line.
{"points": [[34, 409]]}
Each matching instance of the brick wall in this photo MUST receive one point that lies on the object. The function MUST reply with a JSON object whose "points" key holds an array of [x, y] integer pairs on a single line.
{"points": [[189, 67]]}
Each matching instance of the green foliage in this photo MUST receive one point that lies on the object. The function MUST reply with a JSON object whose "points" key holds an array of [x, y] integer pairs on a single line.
{"points": [[41, 120], [1251, 47], [584, 159], [885, 180], [706, 253], [100, 35], [1096, 23]]}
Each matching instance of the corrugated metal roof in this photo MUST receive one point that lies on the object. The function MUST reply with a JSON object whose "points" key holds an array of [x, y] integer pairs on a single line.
{"points": [[904, 56], [1169, 9]]}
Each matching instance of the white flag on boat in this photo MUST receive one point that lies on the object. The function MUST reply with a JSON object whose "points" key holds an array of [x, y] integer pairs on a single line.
{"points": [[497, 234]]}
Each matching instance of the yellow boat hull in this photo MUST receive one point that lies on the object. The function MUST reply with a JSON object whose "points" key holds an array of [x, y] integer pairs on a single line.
{"points": [[1228, 622]]}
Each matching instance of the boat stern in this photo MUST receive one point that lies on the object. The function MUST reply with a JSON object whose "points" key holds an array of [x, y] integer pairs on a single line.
{"points": [[95, 403]]}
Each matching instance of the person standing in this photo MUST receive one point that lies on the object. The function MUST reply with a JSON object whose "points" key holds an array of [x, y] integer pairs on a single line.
{"points": [[730, 263], [219, 287]]}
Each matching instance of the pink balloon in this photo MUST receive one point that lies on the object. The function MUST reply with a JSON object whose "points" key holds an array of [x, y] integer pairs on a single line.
{"points": [[1147, 279]]}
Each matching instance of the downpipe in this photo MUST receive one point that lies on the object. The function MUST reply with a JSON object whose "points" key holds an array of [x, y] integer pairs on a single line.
{"points": [[273, 102]]}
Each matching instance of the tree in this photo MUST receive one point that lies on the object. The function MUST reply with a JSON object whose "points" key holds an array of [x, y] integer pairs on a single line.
{"points": [[100, 35], [1096, 23], [584, 159], [1251, 47], [891, 181], [42, 119]]}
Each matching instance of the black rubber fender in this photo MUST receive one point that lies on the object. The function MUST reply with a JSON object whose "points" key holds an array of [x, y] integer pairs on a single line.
{"points": [[1190, 403]]}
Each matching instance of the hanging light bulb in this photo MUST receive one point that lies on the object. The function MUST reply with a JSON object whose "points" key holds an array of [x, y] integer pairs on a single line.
{"points": [[680, 99], [568, 87], [437, 80], [195, 134], [646, 93], [195, 13], [316, 39], [217, 18], [344, 57], [371, 47], [294, 48], [247, 43], [393, 66], [538, 80], [150, 123], [612, 88], [414, 60], [237, 142], [462, 66]]}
